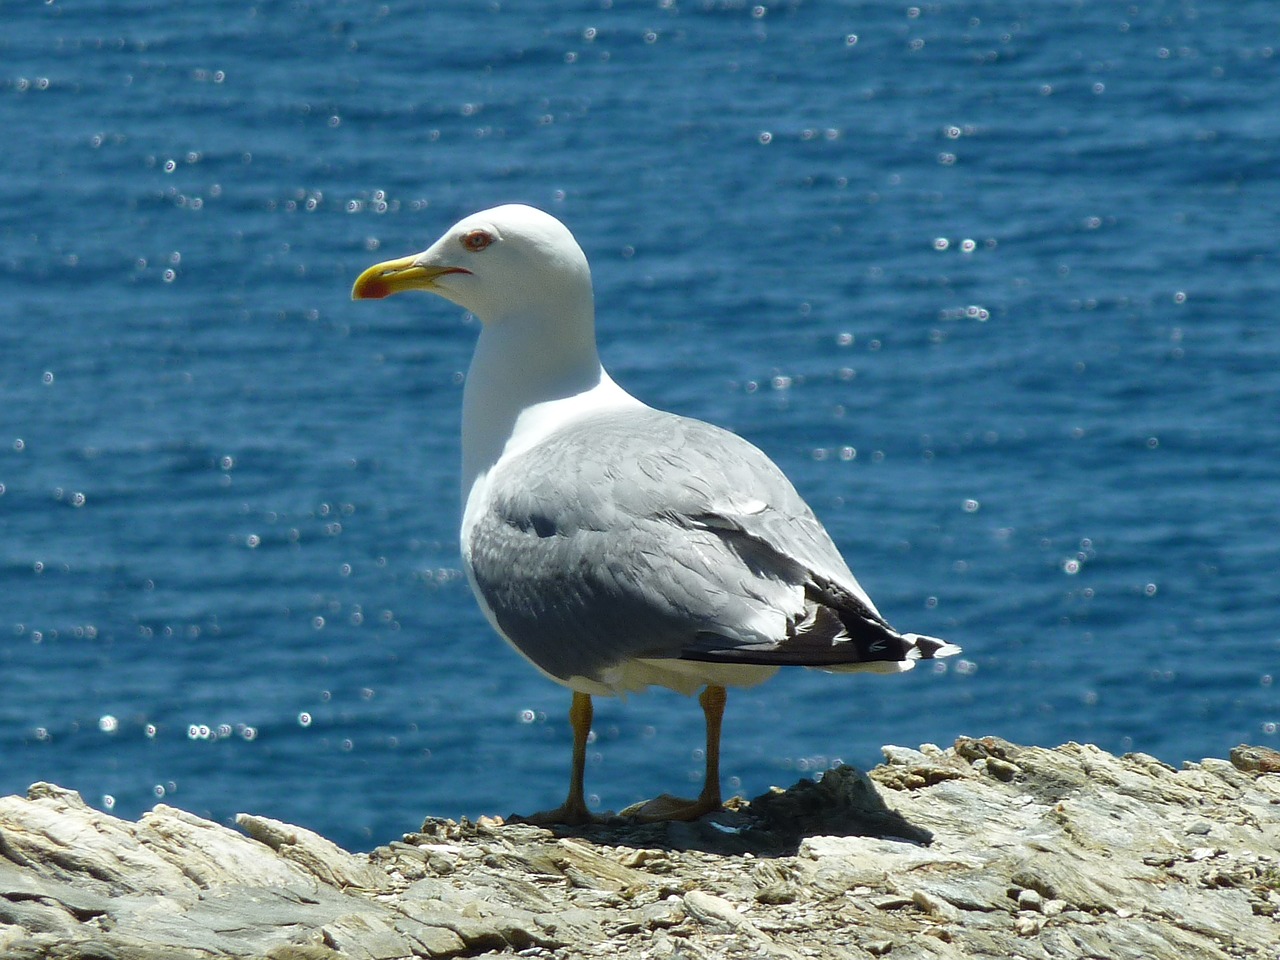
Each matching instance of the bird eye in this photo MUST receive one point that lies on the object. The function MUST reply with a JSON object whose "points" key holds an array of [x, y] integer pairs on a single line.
{"points": [[477, 240]]}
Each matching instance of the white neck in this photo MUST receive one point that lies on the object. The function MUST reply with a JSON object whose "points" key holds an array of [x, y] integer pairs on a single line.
{"points": [[527, 376]]}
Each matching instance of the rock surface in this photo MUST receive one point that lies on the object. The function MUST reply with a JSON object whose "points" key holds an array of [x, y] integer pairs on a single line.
{"points": [[984, 849]]}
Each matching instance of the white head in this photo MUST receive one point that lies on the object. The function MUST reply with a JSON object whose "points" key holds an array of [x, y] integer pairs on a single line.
{"points": [[510, 261], [520, 272]]}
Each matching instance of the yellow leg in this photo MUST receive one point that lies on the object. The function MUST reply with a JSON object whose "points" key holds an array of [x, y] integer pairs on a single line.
{"points": [[667, 807], [580, 715], [713, 700], [574, 809]]}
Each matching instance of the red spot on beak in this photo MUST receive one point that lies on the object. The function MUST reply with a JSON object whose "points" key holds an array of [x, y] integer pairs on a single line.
{"points": [[375, 290]]}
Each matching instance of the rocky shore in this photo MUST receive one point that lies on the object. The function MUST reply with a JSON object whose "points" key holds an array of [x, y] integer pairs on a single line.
{"points": [[984, 849]]}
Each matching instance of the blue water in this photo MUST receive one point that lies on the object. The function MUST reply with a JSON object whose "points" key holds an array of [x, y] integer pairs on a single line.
{"points": [[994, 283]]}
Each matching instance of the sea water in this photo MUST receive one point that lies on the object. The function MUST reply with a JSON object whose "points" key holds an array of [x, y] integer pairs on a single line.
{"points": [[993, 283]]}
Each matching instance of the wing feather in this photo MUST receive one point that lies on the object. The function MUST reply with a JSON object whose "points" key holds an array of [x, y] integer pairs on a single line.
{"points": [[647, 535]]}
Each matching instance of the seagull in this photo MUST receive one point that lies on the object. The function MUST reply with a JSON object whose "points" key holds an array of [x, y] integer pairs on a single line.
{"points": [[613, 545]]}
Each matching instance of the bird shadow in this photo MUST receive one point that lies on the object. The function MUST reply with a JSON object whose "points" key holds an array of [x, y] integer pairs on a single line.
{"points": [[843, 803]]}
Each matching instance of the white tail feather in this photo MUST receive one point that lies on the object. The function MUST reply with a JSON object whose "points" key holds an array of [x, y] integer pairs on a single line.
{"points": [[928, 648]]}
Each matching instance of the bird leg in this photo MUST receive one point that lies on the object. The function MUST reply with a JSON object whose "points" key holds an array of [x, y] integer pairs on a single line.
{"points": [[667, 807], [574, 809]]}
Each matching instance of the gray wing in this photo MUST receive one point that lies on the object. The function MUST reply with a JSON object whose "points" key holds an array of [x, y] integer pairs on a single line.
{"points": [[644, 534]]}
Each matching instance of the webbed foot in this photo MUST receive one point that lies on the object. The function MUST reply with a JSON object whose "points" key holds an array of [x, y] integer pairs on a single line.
{"points": [[567, 814], [666, 807]]}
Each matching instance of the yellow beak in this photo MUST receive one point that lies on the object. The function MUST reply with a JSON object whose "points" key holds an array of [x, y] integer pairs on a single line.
{"points": [[396, 276]]}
